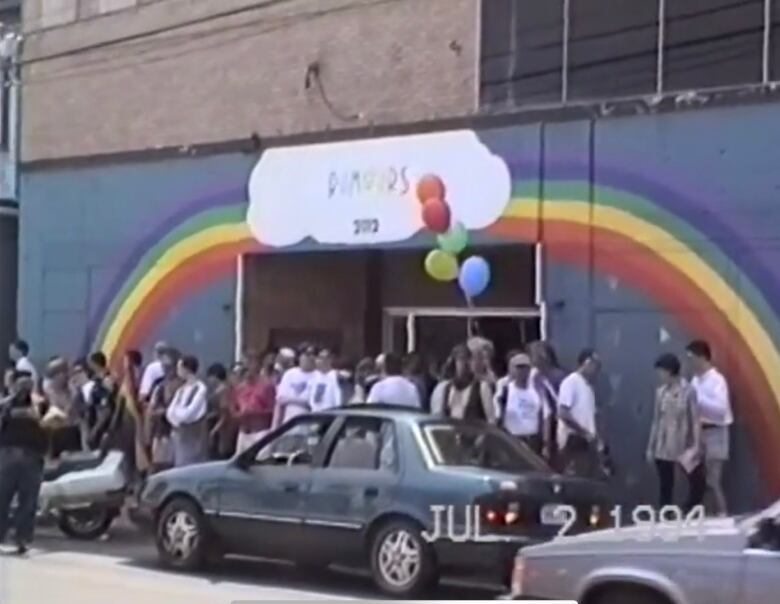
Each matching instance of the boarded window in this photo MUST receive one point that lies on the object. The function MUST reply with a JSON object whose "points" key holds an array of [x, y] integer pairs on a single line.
{"points": [[713, 43], [612, 48], [522, 50]]}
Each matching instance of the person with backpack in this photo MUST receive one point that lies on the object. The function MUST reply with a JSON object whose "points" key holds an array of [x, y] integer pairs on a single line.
{"points": [[522, 408], [158, 430], [102, 403], [462, 395], [547, 375]]}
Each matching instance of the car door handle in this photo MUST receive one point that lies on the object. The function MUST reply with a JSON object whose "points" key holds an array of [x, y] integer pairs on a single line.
{"points": [[291, 488], [371, 492]]}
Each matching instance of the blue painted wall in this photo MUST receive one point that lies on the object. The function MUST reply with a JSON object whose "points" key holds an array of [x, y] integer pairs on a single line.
{"points": [[77, 225]]}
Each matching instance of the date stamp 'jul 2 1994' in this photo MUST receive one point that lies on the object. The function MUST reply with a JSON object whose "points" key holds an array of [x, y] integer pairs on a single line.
{"points": [[641, 523]]}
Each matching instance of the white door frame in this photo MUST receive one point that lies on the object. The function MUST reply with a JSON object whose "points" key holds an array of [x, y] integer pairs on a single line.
{"points": [[413, 312]]}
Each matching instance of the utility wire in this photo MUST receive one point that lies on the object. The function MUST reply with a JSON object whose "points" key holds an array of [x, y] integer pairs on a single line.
{"points": [[129, 60], [632, 56], [155, 31], [629, 29]]}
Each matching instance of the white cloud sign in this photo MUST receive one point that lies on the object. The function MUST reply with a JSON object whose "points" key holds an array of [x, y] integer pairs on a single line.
{"points": [[364, 192]]}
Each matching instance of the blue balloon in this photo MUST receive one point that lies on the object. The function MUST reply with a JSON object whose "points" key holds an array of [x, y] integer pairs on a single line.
{"points": [[474, 276]]}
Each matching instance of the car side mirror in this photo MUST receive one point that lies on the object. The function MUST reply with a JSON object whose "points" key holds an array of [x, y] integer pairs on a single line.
{"points": [[243, 462]]}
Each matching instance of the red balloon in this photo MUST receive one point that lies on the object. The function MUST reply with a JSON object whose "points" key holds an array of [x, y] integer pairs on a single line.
{"points": [[436, 215], [430, 187]]}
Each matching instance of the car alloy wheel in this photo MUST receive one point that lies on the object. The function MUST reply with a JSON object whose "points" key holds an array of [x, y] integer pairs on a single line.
{"points": [[400, 558], [181, 535]]}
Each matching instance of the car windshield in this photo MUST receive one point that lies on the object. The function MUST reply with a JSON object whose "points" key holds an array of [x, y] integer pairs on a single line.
{"points": [[480, 447]]}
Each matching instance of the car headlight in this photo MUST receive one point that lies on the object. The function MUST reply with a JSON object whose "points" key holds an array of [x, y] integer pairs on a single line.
{"points": [[518, 577]]}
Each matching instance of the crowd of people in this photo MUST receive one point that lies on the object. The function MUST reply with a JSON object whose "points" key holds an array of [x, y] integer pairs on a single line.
{"points": [[171, 413]]}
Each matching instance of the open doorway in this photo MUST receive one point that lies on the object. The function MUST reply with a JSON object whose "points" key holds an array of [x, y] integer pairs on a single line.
{"points": [[363, 302], [435, 331]]}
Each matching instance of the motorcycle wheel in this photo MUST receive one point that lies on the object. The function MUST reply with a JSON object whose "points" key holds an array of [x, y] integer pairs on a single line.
{"points": [[86, 525]]}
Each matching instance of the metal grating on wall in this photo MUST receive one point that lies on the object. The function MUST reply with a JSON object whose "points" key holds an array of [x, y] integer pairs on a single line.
{"points": [[561, 51]]}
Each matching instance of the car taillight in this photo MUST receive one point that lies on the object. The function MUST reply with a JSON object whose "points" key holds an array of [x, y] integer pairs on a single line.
{"points": [[502, 516], [494, 516]]}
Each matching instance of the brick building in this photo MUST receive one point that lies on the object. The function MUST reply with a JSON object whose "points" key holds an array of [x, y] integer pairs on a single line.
{"points": [[239, 69], [194, 169]]}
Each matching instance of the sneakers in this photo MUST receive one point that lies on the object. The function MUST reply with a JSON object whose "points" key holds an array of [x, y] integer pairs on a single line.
{"points": [[21, 549]]}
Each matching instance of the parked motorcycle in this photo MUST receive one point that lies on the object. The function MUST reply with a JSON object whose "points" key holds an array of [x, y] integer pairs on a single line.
{"points": [[84, 493]]}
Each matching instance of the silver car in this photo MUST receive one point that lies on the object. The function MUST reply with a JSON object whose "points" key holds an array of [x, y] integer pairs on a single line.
{"points": [[712, 561]]}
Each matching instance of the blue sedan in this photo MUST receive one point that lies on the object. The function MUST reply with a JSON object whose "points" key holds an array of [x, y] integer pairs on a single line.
{"points": [[409, 495]]}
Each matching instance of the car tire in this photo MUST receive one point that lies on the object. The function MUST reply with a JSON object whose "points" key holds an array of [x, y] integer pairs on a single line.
{"points": [[181, 535], [621, 595], [87, 525], [403, 564]]}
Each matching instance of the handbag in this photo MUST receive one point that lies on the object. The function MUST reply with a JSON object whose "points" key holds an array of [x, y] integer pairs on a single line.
{"points": [[162, 450]]}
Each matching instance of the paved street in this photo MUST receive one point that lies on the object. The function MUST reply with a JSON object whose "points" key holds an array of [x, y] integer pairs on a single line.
{"points": [[124, 571]]}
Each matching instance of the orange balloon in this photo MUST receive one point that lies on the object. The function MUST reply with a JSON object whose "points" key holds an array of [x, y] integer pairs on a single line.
{"points": [[430, 187]]}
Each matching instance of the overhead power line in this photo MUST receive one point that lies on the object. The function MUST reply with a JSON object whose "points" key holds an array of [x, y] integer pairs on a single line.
{"points": [[155, 31], [129, 56]]}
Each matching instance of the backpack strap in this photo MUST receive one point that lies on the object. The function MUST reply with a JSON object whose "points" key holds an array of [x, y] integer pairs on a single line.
{"points": [[447, 393], [503, 401]]}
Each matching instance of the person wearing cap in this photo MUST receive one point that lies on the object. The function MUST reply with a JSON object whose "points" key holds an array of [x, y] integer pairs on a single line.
{"points": [[577, 431], [294, 390], [154, 371], [522, 409], [675, 434]]}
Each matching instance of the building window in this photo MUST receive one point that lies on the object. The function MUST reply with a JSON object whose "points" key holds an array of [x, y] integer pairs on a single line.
{"points": [[713, 43], [612, 48], [521, 52], [558, 51]]}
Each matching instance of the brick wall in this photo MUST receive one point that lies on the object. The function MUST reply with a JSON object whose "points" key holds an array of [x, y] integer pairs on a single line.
{"points": [[386, 61]]}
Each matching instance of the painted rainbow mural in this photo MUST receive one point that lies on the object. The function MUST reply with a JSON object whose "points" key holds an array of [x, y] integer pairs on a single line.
{"points": [[650, 236]]}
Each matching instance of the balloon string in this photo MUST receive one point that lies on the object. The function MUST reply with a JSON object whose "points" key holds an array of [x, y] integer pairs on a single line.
{"points": [[470, 320]]}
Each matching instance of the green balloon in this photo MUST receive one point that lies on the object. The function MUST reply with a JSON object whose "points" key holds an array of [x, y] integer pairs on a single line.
{"points": [[455, 240]]}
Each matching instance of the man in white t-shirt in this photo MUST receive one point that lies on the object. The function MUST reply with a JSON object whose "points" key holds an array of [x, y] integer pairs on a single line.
{"points": [[294, 392], [577, 432], [19, 352], [521, 408], [153, 372], [325, 390], [394, 388], [716, 417]]}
